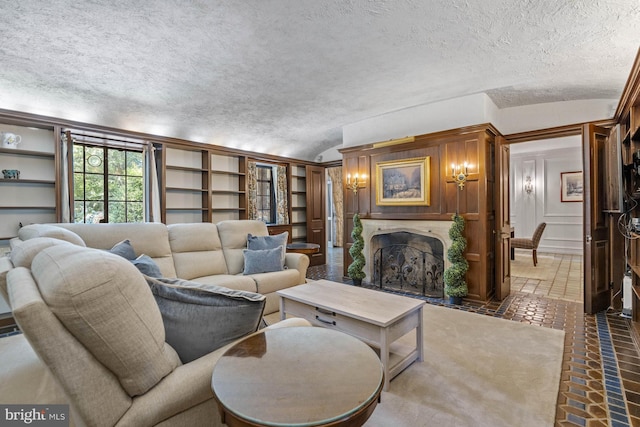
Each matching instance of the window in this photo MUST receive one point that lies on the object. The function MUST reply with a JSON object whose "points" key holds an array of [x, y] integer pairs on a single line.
{"points": [[265, 194], [108, 184]]}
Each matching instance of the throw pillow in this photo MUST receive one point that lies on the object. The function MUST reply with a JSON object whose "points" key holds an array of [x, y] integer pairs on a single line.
{"points": [[124, 249], [269, 242], [199, 318], [147, 266], [262, 261]]}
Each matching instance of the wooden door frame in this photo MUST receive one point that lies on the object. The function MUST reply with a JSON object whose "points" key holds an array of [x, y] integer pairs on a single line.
{"points": [[576, 129]]}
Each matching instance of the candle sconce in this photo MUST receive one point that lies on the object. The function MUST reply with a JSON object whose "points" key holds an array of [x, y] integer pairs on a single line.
{"points": [[528, 185], [358, 181], [460, 173]]}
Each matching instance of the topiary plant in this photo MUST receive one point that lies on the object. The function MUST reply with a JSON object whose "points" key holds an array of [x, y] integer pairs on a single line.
{"points": [[455, 284], [355, 270]]}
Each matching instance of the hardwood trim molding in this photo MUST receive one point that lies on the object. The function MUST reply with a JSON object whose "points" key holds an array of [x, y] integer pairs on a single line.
{"points": [[554, 132], [631, 91]]}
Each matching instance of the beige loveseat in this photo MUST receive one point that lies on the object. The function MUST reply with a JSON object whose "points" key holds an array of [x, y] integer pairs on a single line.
{"points": [[91, 318]]}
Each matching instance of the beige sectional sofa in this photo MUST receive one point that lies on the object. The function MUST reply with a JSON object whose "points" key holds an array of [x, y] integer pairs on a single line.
{"points": [[202, 252], [91, 317]]}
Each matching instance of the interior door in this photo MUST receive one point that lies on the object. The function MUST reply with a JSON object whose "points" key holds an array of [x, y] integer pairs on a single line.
{"points": [[316, 205], [503, 222], [597, 294]]}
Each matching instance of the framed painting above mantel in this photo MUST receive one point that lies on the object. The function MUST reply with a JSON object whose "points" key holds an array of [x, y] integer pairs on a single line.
{"points": [[403, 182]]}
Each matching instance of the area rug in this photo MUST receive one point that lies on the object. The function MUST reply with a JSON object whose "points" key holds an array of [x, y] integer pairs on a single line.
{"points": [[478, 371], [546, 269]]}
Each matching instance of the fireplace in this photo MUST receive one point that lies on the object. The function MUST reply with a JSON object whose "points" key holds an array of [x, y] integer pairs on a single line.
{"points": [[408, 262], [406, 255]]}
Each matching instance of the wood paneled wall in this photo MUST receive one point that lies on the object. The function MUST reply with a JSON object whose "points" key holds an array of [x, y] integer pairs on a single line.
{"points": [[477, 146]]}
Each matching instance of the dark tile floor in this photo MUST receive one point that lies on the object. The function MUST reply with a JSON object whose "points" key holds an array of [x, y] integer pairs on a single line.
{"points": [[600, 383]]}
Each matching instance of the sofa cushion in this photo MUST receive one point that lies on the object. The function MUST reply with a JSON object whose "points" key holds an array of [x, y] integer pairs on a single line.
{"points": [[235, 281], [233, 236], [104, 301], [124, 249], [146, 266], [262, 261], [269, 242], [148, 238], [32, 231], [200, 318], [197, 250]]}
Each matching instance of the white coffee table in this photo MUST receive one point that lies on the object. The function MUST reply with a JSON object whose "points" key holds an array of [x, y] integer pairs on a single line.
{"points": [[377, 318]]}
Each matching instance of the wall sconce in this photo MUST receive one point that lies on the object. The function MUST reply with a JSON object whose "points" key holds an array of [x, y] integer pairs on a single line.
{"points": [[528, 185], [460, 173], [356, 182]]}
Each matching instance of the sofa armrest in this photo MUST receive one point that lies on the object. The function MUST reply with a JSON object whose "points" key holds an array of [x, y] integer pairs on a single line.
{"points": [[300, 262], [5, 266]]}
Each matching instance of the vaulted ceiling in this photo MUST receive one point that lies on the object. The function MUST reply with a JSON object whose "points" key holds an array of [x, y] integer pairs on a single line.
{"points": [[284, 76]]}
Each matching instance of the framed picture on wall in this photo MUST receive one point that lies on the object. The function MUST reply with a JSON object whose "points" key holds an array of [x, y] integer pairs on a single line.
{"points": [[571, 186], [403, 182]]}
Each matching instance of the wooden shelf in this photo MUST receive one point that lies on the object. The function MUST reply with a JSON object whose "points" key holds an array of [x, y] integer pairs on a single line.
{"points": [[28, 181], [185, 168], [43, 208], [195, 190], [231, 192], [228, 173], [27, 153], [299, 208], [228, 209], [298, 192], [186, 209]]}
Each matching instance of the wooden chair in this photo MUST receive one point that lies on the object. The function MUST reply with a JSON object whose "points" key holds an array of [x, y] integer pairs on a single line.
{"points": [[532, 243]]}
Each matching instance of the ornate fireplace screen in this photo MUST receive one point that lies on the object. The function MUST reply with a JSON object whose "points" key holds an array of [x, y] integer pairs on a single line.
{"points": [[409, 269]]}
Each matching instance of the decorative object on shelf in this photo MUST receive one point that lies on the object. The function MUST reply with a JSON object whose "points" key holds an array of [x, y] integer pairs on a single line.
{"points": [[11, 173], [455, 285], [358, 181], [403, 182], [571, 186], [355, 270], [460, 173], [10, 140], [528, 185]]}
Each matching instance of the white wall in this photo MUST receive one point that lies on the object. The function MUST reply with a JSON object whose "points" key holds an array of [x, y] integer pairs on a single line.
{"points": [[544, 161]]}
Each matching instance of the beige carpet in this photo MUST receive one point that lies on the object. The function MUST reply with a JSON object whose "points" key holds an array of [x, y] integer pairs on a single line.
{"points": [[478, 371], [546, 269]]}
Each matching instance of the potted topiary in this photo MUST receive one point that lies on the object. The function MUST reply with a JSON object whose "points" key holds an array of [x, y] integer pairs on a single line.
{"points": [[355, 270], [455, 285]]}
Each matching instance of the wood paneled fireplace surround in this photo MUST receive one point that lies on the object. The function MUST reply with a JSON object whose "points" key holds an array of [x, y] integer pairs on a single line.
{"points": [[475, 145]]}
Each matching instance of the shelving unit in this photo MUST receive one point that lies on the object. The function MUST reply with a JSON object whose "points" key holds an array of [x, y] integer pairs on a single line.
{"points": [[186, 185], [34, 196], [298, 190], [228, 187]]}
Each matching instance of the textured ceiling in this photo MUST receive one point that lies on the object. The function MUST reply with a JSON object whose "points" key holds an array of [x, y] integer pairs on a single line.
{"points": [[284, 76]]}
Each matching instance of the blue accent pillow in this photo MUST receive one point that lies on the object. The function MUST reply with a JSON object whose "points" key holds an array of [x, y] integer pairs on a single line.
{"points": [[269, 242], [147, 266], [124, 249], [200, 318], [262, 261]]}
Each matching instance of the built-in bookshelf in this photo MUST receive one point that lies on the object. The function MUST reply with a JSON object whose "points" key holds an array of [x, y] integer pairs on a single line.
{"points": [[186, 185], [298, 203], [32, 197], [228, 187]]}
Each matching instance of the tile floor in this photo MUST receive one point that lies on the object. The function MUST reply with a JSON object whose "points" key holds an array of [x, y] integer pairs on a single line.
{"points": [[600, 383]]}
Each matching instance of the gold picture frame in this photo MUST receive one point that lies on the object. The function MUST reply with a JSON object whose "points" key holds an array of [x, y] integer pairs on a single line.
{"points": [[403, 182]]}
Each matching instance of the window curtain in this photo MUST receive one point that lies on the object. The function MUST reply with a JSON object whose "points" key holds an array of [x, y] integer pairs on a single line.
{"points": [[335, 174], [152, 193], [252, 188], [282, 213], [64, 188]]}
